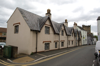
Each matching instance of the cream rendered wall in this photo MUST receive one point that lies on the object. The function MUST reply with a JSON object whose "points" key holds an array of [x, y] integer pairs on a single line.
{"points": [[64, 37], [33, 41], [22, 38], [47, 37], [71, 38]]}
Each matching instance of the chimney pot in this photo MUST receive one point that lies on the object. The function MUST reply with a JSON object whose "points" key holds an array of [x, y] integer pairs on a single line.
{"points": [[66, 23], [75, 23], [48, 11], [65, 20]]}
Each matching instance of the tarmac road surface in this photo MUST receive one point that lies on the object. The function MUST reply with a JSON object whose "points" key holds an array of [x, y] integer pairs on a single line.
{"points": [[83, 56]]}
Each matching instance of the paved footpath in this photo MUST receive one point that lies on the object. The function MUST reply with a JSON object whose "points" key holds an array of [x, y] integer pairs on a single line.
{"points": [[77, 56]]}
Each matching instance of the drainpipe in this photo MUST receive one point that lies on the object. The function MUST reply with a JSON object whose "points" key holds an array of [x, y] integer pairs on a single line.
{"points": [[59, 41], [36, 40], [67, 41]]}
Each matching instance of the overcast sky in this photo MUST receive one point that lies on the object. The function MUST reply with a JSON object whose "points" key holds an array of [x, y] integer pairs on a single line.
{"points": [[83, 12]]}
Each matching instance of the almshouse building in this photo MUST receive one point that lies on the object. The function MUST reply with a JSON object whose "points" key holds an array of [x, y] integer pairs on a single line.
{"points": [[33, 33]]}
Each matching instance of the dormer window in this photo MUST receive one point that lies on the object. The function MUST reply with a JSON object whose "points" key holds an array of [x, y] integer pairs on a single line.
{"points": [[62, 32], [47, 30], [16, 28]]}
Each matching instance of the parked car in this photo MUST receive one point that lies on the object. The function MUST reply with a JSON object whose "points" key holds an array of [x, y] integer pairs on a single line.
{"points": [[97, 53], [2, 44]]}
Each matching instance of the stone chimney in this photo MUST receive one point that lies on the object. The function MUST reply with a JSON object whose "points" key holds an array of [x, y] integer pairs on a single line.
{"points": [[87, 28], [48, 13], [66, 23], [75, 25]]}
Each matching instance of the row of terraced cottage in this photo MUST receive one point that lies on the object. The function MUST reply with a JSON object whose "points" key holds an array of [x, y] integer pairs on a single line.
{"points": [[33, 33]]}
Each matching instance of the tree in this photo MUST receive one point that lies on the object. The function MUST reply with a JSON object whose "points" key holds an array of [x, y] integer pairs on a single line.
{"points": [[96, 37]]}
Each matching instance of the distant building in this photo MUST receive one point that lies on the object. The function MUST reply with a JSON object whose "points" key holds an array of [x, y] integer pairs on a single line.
{"points": [[3, 34], [94, 40], [89, 34], [87, 28]]}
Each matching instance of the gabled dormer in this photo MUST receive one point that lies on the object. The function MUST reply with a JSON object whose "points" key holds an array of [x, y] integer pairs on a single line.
{"points": [[72, 33], [62, 31]]}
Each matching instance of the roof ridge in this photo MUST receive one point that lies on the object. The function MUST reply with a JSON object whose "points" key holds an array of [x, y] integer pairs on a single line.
{"points": [[29, 11]]}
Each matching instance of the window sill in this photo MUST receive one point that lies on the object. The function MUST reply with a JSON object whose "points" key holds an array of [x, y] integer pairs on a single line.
{"points": [[48, 34]]}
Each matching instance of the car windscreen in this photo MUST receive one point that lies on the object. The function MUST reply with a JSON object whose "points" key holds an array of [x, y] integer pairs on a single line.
{"points": [[2, 44]]}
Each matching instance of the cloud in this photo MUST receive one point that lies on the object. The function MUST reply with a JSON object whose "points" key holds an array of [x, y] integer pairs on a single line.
{"points": [[96, 10], [94, 33], [80, 11], [7, 3]]}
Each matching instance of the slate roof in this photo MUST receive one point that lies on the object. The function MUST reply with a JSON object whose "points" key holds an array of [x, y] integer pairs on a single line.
{"points": [[79, 33], [57, 26], [36, 22], [31, 19], [80, 27], [75, 32], [68, 30]]}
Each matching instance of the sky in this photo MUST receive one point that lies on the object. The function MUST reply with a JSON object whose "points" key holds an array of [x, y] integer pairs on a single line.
{"points": [[83, 12]]}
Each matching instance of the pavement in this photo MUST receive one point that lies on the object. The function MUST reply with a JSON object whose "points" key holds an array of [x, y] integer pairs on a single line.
{"points": [[39, 56], [30, 59]]}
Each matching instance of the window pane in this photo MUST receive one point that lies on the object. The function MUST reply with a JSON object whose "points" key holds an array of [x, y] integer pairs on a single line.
{"points": [[47, 30], [62, 33], [16, 28], [46, 46], [55, 44], [62, 44]]}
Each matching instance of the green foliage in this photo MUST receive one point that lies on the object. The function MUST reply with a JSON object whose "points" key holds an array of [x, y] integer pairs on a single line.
{"points": [[32, 53], [96, 37]]}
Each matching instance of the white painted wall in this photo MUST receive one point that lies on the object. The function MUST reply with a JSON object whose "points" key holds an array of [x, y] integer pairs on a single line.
{"points": [[94, 42], [84, 36]]}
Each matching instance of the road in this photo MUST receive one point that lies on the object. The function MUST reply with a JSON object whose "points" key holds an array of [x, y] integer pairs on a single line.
{"points": [[83, 56], [79, 56]]}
